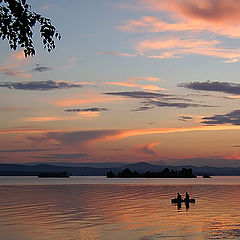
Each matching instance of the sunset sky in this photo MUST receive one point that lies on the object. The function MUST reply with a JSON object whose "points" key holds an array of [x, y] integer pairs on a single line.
{"points": [[130, 81]]}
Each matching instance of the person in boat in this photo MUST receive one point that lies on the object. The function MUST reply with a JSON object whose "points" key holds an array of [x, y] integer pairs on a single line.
{"points": [[187, 197], [179, 197]]}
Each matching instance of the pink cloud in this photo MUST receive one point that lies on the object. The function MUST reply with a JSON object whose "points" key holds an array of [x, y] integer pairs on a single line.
{"points": [[176, 47], [208, 10], [148, 149], [49, 6], [153, 24], [86, 99], [15, 73], [136, 85], [15, 60], [132, 82], [221, 16], [117, 54]]}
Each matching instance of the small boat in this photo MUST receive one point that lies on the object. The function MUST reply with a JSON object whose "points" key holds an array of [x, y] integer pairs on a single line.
{"points": [[175, 200]]}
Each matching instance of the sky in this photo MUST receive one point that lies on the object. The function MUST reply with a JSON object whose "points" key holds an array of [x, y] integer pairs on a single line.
{"points": [[130, 81]]}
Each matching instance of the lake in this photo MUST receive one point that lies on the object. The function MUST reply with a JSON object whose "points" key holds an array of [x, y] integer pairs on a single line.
{"points": [[96, 208]]}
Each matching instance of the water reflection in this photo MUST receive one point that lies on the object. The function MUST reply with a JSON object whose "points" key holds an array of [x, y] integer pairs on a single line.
{"points": [[117, 211], [180, 204]]}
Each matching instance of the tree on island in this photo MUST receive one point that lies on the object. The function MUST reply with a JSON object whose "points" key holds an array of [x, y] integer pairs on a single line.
{"points": [[166, 173], [16, 23]]}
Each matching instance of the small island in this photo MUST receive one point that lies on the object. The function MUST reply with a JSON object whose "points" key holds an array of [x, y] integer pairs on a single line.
{"points": [[53, 175], [166, 173], [206, 176]]}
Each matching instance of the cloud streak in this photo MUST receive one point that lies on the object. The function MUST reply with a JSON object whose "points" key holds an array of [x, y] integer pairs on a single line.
{"points": [[59, 156], [40, 85], [93, 109], [83, 138], [117, 54], [27, 150]]}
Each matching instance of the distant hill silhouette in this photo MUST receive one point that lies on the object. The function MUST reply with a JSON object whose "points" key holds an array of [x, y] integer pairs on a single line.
{"points": [[141, 167]]}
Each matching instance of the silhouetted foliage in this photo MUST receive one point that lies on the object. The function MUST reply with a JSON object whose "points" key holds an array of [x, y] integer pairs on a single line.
{"points": [[16, 23], [166, 173], [62, 174], [110, 174]]}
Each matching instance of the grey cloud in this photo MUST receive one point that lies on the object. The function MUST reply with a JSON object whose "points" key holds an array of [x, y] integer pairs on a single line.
{"points": [[58, 156], [236, 146], [185, 118], [139, 94], [93, 109], [142, 108], [224, 87], [231, 118], [158, 100], [75, 137], [147, 150], [40, 85], [27, 150], [42, 69], [175, 104]]}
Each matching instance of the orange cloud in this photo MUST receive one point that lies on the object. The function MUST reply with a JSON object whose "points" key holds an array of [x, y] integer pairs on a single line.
{"points": [[139, 132], [44, 119], [18, 55], [89, 114]]}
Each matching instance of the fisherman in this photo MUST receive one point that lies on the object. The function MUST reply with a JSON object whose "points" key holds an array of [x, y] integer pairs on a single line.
{"points": [[179, 197], [187, 197]]}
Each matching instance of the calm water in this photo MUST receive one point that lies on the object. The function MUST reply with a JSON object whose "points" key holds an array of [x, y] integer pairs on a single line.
{"points": [[96, 208]]}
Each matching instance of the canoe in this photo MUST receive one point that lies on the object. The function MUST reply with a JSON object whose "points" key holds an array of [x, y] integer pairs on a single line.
{"points": [[175, 200]]}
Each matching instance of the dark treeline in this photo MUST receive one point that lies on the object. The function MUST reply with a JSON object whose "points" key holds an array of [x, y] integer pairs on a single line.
{"points": [[62, 174], [166, 173]]}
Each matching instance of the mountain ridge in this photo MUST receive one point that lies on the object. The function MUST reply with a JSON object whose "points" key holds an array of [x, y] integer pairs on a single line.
{"points": [[33, 170]]}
